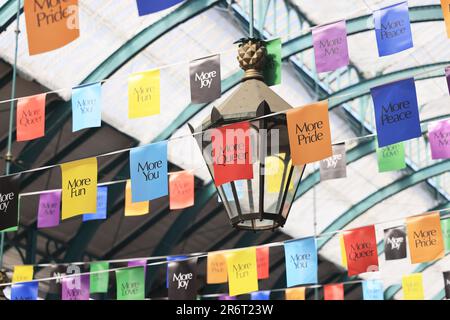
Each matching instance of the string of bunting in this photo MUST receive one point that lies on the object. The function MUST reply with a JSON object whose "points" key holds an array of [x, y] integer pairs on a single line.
{"points": [[428, 238]]}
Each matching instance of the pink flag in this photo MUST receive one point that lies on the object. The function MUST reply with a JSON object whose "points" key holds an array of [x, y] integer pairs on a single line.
{"points": [[439, 136], [75, 288], [330, 46]]}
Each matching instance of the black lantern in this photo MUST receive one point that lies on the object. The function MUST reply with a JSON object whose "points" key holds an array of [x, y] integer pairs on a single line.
{"points": [[264, 202]]}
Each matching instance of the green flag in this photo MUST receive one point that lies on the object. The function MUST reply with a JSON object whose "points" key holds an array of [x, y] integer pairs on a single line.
{"points": [[391, 158], [130, 284], [445, 225], [272, 68], [99, 281]]}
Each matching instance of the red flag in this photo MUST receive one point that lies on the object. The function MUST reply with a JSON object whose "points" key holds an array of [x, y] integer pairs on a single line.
{"points": [[334, 291], [262, 262], [30, 117], [181, 190], [361, 250], [231, 153]]}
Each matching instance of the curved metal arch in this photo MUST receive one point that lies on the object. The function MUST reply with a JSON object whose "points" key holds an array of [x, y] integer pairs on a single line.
{"points": [[417, 14], [8, 13], [383, 194]]}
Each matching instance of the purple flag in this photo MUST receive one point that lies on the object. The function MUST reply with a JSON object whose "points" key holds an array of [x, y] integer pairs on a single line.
{"points": [[447, 75], [49, 209], [439, 135], [330, 46], [75, 288]]}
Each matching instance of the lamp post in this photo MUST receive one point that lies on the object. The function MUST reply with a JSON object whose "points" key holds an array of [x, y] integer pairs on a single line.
{"points": [[263, 202]]}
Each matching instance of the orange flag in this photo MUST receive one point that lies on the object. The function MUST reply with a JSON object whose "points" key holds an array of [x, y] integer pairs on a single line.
{"points": [[445, 4], [134, 208], [262, 262], [334, 292], [425, 237], [295, 293], [216, 268], [181, 190], [309, 133], [30, 117], [50, 24]]}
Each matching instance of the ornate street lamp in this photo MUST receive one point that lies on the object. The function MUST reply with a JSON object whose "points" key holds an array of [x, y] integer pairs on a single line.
{"points": [[264, 202]]}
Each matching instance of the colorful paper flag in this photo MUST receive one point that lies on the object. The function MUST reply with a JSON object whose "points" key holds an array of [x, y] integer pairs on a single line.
{"points": [[447, 284], [75, 288], [262, 262], [439, 137], [343, 253], [334, 291], [413, 287], [396, 112], [361, 250], [447, 76], [183, 279], [130, 284], [99, 281], [295, 293], [169, 259], [445, 226], [51, 24], [23, 274], [272, 67], [393, 29], [334, 167], [231, 151], [309, 133], [242, 271], [144, 94], [205, 79], [79, 187], [30, 117], [425, 237], [146, 7], [260, 295], [226, 298], [134, 208], [148, 171], [25, 291], [276, 173], [87, 106], [445, 6], [391, 158], [9, 202], [102, 205], [216, 266], [181, 190], [330, 46], [373, 290], [301, 261], [394, 243], [49, 211]]}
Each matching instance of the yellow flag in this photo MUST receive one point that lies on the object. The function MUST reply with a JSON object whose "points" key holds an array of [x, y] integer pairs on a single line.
{"points": [[242, 271], [22, 274], [295, 293], [144, 94], [343, 253], [79, 187], [134, 208], [413, 287], [216, 268], [275, 169]]}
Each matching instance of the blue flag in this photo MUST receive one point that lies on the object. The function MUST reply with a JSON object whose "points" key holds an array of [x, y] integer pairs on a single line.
{"points": [[87, 107], [393, 29], [301, 261], [260, 295], [102, 204], [169, 259], [150, 6], [396, 112], [148, 170], [25, 291], [372, 290]]}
